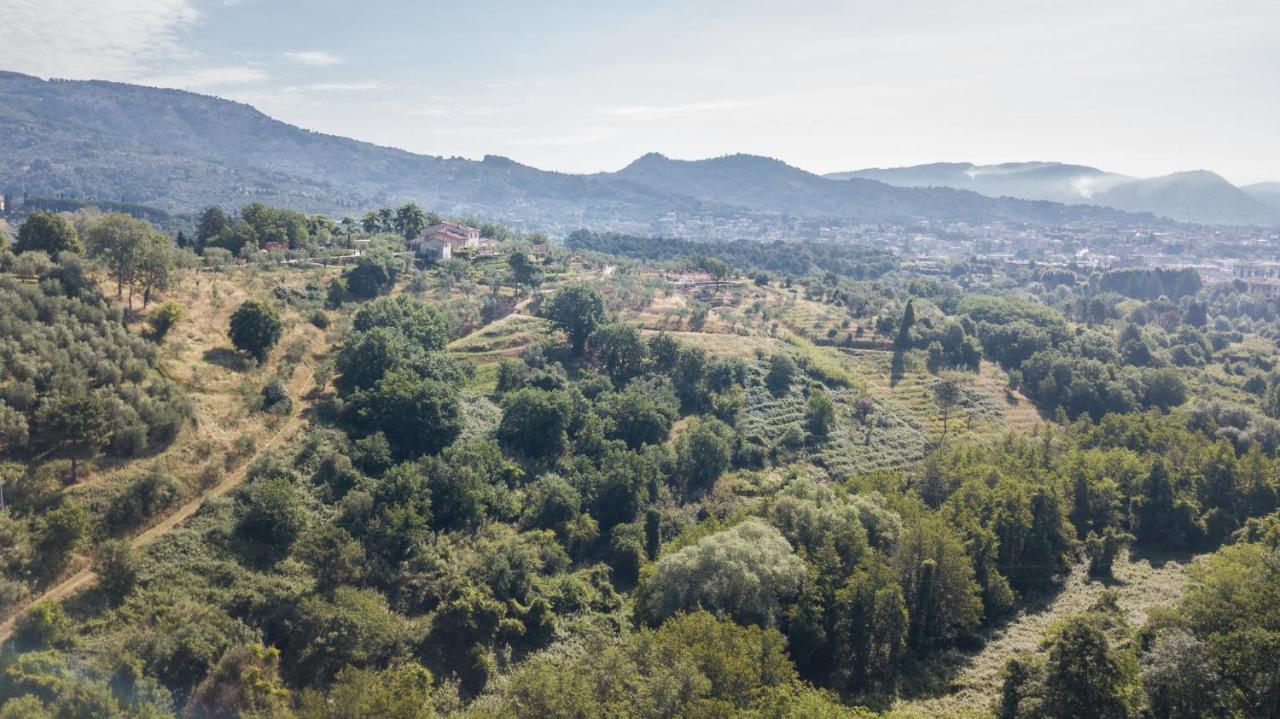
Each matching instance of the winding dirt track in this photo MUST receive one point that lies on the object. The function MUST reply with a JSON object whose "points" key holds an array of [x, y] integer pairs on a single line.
{"points": [[82, 578]]}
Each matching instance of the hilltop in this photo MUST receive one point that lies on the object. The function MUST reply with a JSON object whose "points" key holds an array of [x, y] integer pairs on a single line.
{"points": [[180, 151], [1198, 196]]}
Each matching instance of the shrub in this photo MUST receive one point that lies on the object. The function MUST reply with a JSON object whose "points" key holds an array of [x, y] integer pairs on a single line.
{"points": [[44, 625], [163, 318], [255, 328], [275, 397], [116, 567]]}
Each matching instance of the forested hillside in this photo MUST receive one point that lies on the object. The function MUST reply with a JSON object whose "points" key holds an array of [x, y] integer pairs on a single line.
{"points": [[180, 151], [626, 477]]}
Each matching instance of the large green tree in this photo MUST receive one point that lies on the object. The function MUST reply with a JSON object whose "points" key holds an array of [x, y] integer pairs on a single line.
{"points": [[410, 220], [256, 328], [118, 238], [418, 416], [577, 309], [77, 424], [619, 348], [48, 232], [420, 323], [535, 422]]}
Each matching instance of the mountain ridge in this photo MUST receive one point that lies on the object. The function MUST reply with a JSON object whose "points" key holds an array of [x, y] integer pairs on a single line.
{"points": [[1196, 196], [181, 151]]}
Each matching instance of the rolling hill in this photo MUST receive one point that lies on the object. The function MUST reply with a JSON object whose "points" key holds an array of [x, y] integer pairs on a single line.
{"points": [[1197, 196], [1266, 192], [1051, 181], [1200, 196]]}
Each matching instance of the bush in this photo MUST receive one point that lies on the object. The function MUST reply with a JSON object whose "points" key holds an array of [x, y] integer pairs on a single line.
{"points": [[275, 515], [163, 318], [44, 625], [142, 499], [255, 328], [319, 319], [781, 372], [275, 397], [117, 570]]}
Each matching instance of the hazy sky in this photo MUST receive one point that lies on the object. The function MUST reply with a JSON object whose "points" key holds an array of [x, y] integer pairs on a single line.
{"points": [[1142, 87]]}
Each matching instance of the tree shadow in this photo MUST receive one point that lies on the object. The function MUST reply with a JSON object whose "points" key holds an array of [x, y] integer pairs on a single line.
{"points": [[1157, 558], [897, 368], [928, 675], [227, 359]]}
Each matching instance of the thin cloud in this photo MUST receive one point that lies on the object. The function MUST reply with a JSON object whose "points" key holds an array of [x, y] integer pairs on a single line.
{"points": [[336, 87], [210, 77], [104, 38], [655, 112], [314, 58]]}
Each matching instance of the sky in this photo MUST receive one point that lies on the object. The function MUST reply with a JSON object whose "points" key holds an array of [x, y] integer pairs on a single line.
{"points": [[1142, 87]]}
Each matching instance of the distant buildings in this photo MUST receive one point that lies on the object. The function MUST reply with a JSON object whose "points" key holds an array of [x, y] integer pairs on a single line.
{"points": [[1261, 278], [440, 241]]}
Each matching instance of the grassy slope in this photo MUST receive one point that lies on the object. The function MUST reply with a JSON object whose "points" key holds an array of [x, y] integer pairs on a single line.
{"points": [[211, 452], [971, 682]]}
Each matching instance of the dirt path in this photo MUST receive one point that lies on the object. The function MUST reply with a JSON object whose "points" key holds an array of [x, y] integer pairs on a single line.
{"points": [[1141, 583], [85, 576]]}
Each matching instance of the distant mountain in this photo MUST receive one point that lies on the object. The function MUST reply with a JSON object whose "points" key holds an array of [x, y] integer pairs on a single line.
{"points": [[773, 186], [1199, 197], [180, 151], [1267, 193], [1051, 181]]}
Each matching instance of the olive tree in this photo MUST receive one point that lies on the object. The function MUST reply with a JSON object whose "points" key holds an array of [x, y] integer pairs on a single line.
{"points": [[256, 328]]}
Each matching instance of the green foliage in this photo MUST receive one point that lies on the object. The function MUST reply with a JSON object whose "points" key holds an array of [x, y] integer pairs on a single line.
{"points": [[1082, 677], [399, 692], [48, 232], [255, 328], [274, 514], [163, 319], [819, 413], [744, 573], [418, 416], [577, 309], [1231, 612], [353, 628], [781, 373], [535, 422], [79, 424], [640, 414], [421, 324], [619, 350], [117, 568], [703, 453], [118, 239], [60, 531], [44, 625], [1103, 550], [693, 665], [245, 682], [373, 274], [938, 584], [523, 270], [410, 220]]}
